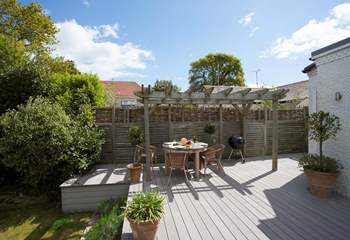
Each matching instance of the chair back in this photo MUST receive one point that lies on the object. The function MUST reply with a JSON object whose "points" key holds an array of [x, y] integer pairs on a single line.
{"points": [[177, 159], [141, 151], [214, 153]]}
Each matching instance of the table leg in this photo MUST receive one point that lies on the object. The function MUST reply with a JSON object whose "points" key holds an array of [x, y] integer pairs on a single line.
{"points": [[196, 165]]}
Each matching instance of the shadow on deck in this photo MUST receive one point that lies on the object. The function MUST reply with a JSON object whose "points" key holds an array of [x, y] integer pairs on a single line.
{"points": [[248, 201]]}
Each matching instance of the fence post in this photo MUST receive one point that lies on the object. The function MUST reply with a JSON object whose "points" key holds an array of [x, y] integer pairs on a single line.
{"points": [[113, 134], [170, 123], [265, 132]]}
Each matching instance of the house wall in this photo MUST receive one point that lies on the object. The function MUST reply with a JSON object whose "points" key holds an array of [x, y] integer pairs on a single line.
{"points": [[332, 74]]}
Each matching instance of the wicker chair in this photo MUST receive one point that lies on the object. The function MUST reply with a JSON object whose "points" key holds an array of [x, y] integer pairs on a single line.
{"points": [[213, 155], [177, 160], [140, 154]]}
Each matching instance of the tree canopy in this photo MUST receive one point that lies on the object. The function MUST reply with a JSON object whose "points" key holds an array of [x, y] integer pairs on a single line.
{"points": [[216, 69], [28, 24], [161, 85]]}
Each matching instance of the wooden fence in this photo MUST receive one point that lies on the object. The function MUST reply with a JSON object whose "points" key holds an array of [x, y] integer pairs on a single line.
{"points": [[189, 122]]}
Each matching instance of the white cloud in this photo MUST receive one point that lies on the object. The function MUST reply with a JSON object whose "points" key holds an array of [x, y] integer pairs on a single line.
{"points": [[108, 31], [92, 53], [253, 31], [86, 3], [246, 20], [315, 34]]}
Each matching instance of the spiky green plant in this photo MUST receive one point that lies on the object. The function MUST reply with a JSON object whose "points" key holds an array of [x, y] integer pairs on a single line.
{"points": [[145, 206]]}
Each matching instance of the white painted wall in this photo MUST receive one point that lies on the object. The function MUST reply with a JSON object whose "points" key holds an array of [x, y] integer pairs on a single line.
{"points": [[333, 75]]}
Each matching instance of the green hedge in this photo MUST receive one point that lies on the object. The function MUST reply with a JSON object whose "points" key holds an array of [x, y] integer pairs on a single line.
{"points": [[45, 146]]}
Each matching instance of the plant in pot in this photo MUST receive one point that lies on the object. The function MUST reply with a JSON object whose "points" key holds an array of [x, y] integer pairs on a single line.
{"points": [[209, 129], [144, 212], [135, 136], [321, 171]]}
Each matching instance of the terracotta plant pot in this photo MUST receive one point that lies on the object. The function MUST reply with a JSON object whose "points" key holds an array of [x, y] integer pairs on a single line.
{"points": [[145, 230], [135, 170], [321, 183]]}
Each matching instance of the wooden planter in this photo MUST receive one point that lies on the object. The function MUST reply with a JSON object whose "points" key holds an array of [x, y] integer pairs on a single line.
{"points": [[145, 230], [321, 184], [135, 170]]}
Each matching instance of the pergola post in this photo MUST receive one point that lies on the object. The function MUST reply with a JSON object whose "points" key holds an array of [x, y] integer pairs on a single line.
{"points": [[274, 134], [221, 137], [147, 140], [170, 124]]}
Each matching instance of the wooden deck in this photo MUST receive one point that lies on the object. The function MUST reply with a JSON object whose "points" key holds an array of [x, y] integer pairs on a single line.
{"points": [[248, 202]]}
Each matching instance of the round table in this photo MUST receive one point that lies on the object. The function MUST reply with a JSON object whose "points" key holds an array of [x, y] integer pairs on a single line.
{"points": [[196, 148]]}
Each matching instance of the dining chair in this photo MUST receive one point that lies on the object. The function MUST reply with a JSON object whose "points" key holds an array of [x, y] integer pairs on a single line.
{"points": [[213, 155], [177, 160], [140, 154]]}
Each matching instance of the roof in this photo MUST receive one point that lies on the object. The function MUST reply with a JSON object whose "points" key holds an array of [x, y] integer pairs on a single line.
{"points": [[122, 88], [309, 67], [331, 47], [297, 91]]}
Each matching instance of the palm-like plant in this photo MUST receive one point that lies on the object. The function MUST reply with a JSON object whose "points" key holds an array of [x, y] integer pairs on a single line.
{"points": [[145, 207]]}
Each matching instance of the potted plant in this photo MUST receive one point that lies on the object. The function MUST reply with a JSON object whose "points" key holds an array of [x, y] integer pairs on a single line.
{"points": [[144, 212], [321, 171], [209, 128], [135, 136]]}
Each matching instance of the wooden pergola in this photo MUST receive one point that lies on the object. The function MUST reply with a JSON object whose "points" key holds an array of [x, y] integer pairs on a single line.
{"points": [[241, 98]]}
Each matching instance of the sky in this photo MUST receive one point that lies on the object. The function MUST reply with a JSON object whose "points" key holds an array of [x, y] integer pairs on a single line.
{"points": [[158, 39]]}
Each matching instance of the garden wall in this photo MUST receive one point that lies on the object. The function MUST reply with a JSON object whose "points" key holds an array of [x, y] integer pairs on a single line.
{"points": [[189, 122]]}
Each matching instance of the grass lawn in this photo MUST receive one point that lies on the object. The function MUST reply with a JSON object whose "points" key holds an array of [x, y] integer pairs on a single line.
{"points": [[24, 217]]}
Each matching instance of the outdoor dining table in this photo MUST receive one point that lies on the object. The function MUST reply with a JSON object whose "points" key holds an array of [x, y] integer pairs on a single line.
{"points": [[195, 149]]}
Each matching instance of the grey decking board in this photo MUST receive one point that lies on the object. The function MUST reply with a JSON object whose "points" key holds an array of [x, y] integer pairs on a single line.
{"points": [[307, 224], [197, 220], [255, 209], [278, 205], [100, 174], [237, 233], [251, 212], [299, 227], [307, 205]]}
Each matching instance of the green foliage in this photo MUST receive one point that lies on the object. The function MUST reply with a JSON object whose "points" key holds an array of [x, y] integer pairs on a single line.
{"points": [[315, 163], [44, 145], [75, 91], [12, 54], [19, 84], [135, 135], [145, 206], [322, 126], [27, 24], [110, 222], [209, 128], [59, 224], [216, 69], [162, 85]]}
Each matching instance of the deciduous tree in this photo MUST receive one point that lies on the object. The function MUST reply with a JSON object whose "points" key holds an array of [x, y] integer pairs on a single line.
{"points": [[216, 69]]}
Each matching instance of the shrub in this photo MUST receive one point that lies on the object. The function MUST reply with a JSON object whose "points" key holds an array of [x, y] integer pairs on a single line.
{"points": [[75, 91], [110, 222], [209, 128], [322, 126], [18, 85], [145, 206], [44, 145], [135, 135], [315, 163]]}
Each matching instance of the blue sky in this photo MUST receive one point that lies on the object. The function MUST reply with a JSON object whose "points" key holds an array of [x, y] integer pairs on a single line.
{"points": [[158, 39]]}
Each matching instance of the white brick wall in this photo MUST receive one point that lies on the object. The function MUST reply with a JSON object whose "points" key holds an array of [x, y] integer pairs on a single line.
{"points": [[333, 75]]}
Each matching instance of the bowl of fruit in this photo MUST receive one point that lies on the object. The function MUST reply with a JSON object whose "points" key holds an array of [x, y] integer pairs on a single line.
{"points": [[186, 142]]}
